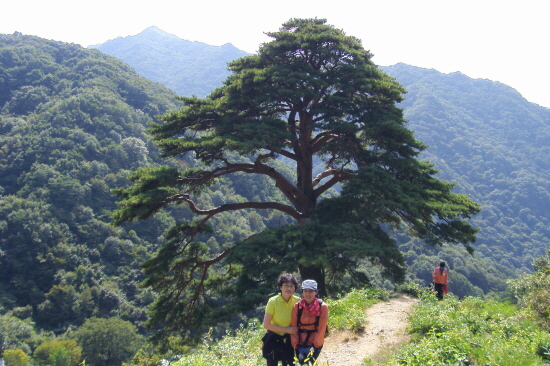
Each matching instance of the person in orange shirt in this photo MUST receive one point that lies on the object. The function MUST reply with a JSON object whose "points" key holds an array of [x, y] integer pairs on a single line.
{"points": [[439, 278], [310, 315]]}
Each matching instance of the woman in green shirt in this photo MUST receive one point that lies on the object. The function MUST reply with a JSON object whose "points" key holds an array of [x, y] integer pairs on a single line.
{"points": [[278, 312]]}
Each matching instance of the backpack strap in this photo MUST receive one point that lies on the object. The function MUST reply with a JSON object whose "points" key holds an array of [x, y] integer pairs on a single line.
{"points": [[300, 310]]}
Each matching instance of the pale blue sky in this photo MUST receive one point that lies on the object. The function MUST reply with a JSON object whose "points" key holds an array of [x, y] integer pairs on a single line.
{"points": [[505, 41]]}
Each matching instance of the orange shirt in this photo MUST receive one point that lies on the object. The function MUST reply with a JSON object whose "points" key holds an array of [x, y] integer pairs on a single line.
{"points": [[440, 276], [316, 338]]}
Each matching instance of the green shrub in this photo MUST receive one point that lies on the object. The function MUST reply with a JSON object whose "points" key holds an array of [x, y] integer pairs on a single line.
{"points": [[412, 288], [439, 350], [43, 352], [241, 348], [533, 290], [108, 342], [15, 357], [542, 346], [472, 331], [60, 356], [349, 312]]}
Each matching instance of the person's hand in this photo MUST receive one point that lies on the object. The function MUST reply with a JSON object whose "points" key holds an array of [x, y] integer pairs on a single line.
{"points": [[291, 330]]}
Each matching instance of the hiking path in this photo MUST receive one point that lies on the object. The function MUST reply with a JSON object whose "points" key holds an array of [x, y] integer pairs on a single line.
{"points": [[385, 330]]}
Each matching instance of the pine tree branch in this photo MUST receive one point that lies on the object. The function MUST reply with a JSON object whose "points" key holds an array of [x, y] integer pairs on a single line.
{"points": [[284, 185], [233, 206]]}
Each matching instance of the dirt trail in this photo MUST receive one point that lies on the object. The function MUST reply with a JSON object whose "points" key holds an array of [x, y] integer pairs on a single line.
{"points": [[384, 332]]}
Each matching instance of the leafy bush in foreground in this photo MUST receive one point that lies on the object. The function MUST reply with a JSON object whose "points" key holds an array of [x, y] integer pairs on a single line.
{"points": [[532, 291], [239, 349], [473, 331]]}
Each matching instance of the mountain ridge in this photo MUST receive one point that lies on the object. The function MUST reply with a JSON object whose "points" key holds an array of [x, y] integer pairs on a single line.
{"points": [[153, 51], [155, 32]]}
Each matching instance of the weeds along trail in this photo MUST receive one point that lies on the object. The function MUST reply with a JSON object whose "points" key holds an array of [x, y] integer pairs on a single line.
{"points": [[384, 331]]}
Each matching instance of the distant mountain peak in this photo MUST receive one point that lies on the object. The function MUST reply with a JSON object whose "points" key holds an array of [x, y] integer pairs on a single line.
{"points": [[154, 35], [188, 67], [154, 30]]}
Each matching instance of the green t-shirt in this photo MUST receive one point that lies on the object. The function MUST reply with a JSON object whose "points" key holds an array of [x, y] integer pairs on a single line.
{"points": [[281, 310]]}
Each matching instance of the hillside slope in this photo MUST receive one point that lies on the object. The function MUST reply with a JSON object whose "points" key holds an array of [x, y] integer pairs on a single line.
{"points": [[72, 126], [494, 144]]}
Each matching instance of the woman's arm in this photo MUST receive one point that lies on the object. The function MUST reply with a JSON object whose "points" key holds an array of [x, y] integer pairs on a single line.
{"points": [[322, 327], [276, 328], [294, 337]]}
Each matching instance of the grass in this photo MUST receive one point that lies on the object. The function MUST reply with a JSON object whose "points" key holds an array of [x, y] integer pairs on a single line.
{"points": [[349, 311], [242, 347], [473, 332]]}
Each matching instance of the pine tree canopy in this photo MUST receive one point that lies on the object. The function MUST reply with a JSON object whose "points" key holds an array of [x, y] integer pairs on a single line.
{"points": [[312, 94]]}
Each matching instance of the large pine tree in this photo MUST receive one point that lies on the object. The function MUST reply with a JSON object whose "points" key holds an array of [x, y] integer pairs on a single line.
{"points": [[310, 95]]}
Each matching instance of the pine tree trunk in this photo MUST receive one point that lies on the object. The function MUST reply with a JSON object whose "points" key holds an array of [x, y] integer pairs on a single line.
{"points": [[317, 274]]}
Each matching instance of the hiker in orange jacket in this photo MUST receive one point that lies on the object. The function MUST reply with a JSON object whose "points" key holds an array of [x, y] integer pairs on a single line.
{"points": [[439, 278], [312, 325]]}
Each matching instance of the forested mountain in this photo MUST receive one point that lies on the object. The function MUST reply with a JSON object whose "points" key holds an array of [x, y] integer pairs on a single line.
{"points": [[485, 137], [72, 124], [189, 68], [72, 127]]}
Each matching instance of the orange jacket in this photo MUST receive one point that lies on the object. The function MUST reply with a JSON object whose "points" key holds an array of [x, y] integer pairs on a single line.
{"points": [[440, 276], [316, 338]]}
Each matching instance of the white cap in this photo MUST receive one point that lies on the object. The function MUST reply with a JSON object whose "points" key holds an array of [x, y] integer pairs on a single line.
{"points": [[309, 284]]}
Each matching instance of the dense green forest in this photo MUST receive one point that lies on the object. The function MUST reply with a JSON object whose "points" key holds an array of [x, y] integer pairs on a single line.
{"points": [[73, 125], [493, 143]]}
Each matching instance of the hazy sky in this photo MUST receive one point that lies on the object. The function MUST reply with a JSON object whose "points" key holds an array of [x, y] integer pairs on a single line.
{"points": [[501, 40]]}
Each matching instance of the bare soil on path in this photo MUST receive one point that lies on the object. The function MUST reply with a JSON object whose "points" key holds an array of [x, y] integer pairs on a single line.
{"points": [[384, 331]]}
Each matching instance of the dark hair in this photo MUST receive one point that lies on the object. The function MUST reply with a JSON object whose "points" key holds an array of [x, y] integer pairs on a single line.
{"points": [[287, 277], [442, 264]]}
